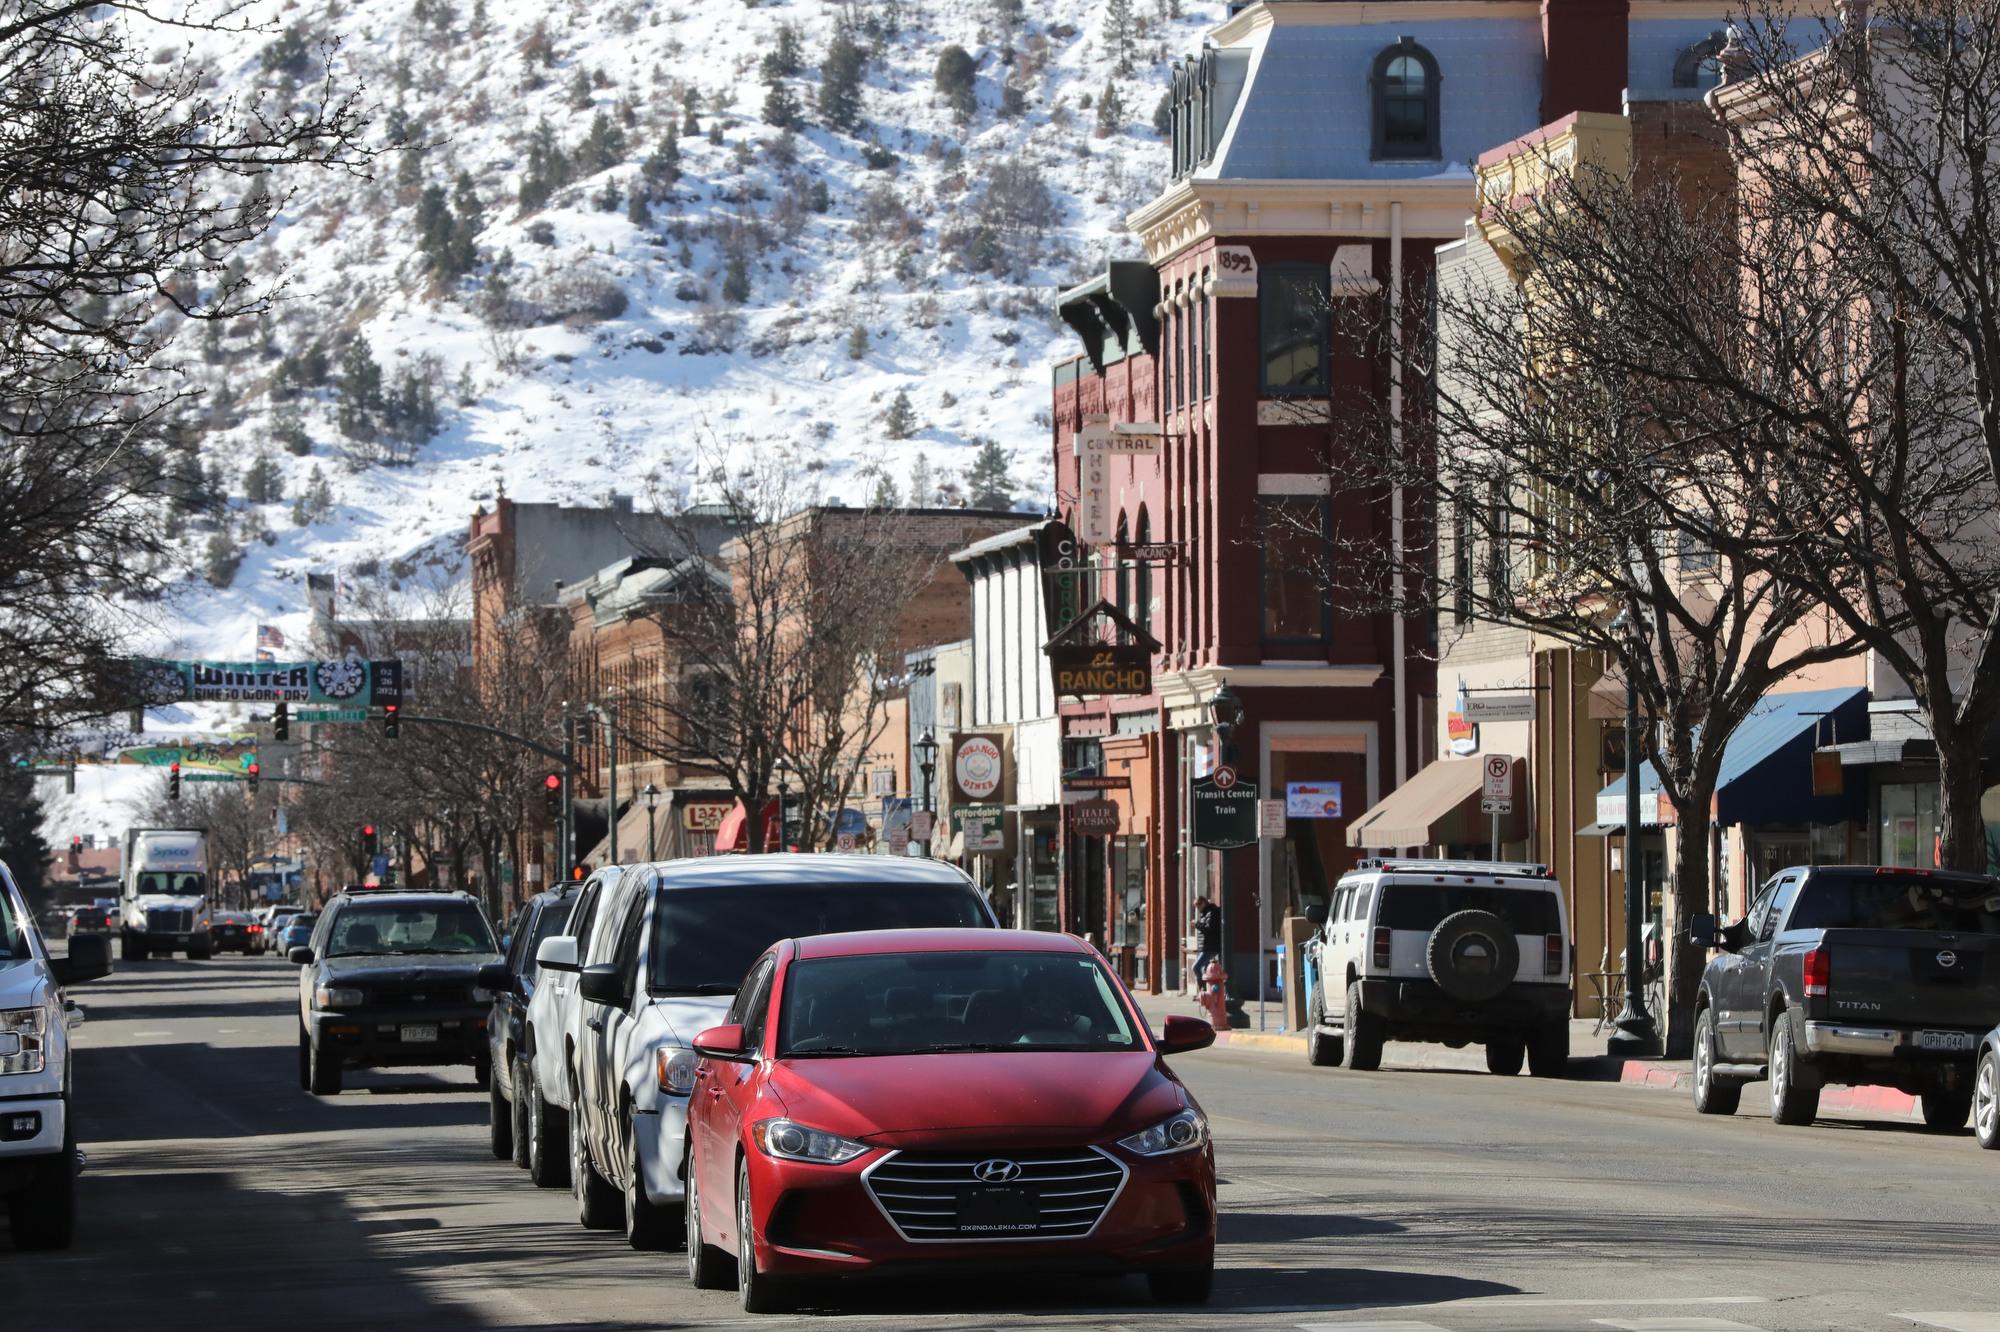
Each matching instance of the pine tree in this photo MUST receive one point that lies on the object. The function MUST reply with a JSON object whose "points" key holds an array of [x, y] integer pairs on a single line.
{"points": [[787, 55], [923, 487], [956, 76], [781, 107], [884, 495], [604, 146], [736, 282], [579, 89], [263, 483], [987, 484], [434, 229], [857, 343], [662, 167], [359, 391], [818, 198], [1110, 110], [636, 211], [900, 421], [840, 82], [1120, 32]]}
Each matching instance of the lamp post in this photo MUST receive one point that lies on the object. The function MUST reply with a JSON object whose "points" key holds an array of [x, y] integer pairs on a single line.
{"points": [[784, 776], [651, 795], [1225, 711], [926, 748], [1634, 1031]]}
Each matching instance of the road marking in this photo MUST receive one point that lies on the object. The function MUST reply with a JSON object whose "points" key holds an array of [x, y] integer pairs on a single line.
{"points": [[1955, 1322], [1537, 1302], [152, 1033], [1390, 1325], [1675, 1324]]}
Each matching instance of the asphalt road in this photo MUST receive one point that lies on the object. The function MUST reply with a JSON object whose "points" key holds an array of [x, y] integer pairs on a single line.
{"points": [[219, 1195]]}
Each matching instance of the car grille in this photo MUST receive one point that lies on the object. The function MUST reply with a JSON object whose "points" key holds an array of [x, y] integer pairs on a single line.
{"points": [[926, 1195], [169, 920], [418, 996]]}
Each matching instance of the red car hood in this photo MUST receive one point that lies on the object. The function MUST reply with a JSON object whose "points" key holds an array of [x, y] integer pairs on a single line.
{"points": [[1058, 1095]]}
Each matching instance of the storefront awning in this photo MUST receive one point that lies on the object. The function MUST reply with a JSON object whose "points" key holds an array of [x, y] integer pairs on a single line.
{"points": [[734, 834], [1439, 806], [1766, 776]]}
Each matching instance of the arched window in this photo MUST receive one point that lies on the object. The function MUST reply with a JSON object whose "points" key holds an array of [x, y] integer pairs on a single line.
{"points": [[1405, 86], [1698, 66], [1143, 574]]}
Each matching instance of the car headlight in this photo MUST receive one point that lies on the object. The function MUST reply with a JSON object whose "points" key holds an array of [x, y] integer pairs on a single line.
{"points": [[23, 1033], [789, 1141], [1181, 1133], [481, 996], [674, 1066], [337, 996]]}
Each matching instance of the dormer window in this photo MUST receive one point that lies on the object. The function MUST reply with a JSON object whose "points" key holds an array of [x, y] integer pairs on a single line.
{"points": [[1405, 87], [1193, 112], [1700, 65]]}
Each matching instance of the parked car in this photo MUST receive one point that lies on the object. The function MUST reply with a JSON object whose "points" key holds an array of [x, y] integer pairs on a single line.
{"points": [[1461, 952], [91, 919], [395, 979], [1862, 975], [944, 1100], [296, 932], [506, 1113], [672, 944], [236, 932], [39, 1159], [555, 1014]]}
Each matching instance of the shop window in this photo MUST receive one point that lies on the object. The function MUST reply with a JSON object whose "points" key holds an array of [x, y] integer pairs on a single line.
{"points": [[1292, 313], [1909, 826], [1405, 87], [1295, 551]]}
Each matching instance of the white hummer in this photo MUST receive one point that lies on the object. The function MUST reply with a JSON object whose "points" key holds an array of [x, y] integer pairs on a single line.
{"points": [[165, 901], [39, 1159]]}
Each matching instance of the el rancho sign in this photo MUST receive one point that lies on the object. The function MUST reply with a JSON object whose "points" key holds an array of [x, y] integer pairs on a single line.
{"points": [[1084, 659]]}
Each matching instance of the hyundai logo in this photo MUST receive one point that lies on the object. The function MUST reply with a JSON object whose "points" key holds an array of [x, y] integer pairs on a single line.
{"points": [[997, 1171], [1947, 958]]}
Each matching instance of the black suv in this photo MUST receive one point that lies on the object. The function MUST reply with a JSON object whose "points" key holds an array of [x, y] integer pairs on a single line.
{"points": [[506, 1114], [395, 979]]}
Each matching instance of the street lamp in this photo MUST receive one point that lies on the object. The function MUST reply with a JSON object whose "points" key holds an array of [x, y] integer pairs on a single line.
{"points": [[1634, 1030], [784, 770], [926, 748], [1225, 712], [651, 795]]}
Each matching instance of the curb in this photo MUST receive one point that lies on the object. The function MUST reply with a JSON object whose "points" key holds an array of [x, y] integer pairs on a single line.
{"points": [[1833, 1100]]}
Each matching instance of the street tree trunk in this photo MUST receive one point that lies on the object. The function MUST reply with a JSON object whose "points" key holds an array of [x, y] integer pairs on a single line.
{"points": [[1690, 893], [1961, 783]]}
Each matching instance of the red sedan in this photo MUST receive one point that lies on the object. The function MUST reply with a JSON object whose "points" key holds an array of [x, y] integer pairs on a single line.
{"points": [[925, 1101]]}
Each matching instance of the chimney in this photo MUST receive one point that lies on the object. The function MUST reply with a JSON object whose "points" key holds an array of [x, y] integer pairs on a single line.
{"points": [[1583, 57]]}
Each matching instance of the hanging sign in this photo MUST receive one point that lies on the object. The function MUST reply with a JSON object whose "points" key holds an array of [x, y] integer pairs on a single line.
{"points": [[977, 767], [1094, 818], [1101, 651], [1225, 811], [350, 680]]}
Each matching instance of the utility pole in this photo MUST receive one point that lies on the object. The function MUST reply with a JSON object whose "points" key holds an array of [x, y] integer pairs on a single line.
{"points": [[566, 829]]}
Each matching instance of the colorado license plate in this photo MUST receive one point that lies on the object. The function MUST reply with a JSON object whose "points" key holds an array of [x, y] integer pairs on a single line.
{"points": [[1946, 1040], [423, 1033]]}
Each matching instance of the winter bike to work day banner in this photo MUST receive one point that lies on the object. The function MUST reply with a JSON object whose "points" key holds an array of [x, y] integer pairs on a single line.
{"points": [[351, 680]]}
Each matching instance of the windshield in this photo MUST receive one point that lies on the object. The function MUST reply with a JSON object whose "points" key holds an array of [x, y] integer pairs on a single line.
{"points": [[704, 939], [923, 1003], [170, 883], [554, 916], [13, 933], [1897, 902], [299, 924], [1420, 906], [409, 927]]}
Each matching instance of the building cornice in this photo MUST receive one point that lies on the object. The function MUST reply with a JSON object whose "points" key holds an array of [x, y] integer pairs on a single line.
{"points": [[1239, 28], [1193, 210]]}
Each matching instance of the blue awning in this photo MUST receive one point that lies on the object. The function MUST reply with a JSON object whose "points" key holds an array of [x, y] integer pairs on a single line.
{"points": [[1766, 773]]}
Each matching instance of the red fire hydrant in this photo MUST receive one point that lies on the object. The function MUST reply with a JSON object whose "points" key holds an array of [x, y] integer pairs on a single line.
{"points": [[1213, 980]]}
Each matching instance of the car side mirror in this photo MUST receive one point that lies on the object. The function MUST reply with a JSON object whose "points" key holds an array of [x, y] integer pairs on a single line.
{"points": [[1316, 917], [1182, 1033], [599, 984], [89, 957], [1701, 930], [496, 976], [1734, 935], [724, 1042], [300, 956], [557, 953]]}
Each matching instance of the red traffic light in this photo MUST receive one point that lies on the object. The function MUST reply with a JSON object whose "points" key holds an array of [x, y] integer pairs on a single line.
{"points": [[367, 830], [256, 768], [553, 782], [174, 767]]}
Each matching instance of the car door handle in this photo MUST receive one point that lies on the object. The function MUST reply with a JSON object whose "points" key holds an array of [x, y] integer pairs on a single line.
{"points": [[595, 1024]]}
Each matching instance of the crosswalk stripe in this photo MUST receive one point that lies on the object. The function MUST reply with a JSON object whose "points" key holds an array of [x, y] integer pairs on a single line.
{"points": [[1390, 1325], [1955, 1322], [1681, 1324]]}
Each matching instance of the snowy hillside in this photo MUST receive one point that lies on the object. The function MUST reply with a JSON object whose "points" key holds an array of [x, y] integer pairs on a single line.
{"points": [[496, 310]]}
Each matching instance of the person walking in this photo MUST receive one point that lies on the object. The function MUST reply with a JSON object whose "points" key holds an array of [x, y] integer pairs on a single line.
{"points": [[1207, 938]]}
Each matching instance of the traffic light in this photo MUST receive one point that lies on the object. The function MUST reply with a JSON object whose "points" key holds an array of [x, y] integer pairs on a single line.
{"points": [[576, 872], [368, 841], [281, 721], [251, 774], [174, 780], [391, 723], [552, 795]]}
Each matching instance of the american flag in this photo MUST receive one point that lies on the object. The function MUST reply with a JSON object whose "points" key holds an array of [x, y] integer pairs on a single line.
{"points": [[269, 641]]}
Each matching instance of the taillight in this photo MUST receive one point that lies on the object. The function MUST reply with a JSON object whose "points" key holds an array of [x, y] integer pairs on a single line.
{"points": [[1381, 945], [1552, 955], [1818, 965]]}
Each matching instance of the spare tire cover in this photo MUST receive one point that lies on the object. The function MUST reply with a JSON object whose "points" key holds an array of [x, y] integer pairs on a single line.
{"points": [[1472, 956]]}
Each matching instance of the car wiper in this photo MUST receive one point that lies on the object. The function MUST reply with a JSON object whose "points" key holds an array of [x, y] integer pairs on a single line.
{"points": [[818, 1050], [714, 987], [963, 1047]]}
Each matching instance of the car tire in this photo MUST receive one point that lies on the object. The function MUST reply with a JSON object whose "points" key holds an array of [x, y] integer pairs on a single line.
{"points": [[131, 950], [758, 1293], [708, 1266], [43, 1214], [1986, 1101], [1548, 1049], [518, 1107], [1361, 1035], [548, 1139], [499, 1122], [482, 1072], [1712, 1095], [322, 1072], [1322, 1046], [648, 1227], [1182, 1285], [1792, 1102], [305, 1059], [597, 1203], [1946, 1111], [1504, 1055]]}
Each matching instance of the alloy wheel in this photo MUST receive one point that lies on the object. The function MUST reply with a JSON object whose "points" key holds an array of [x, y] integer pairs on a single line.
{"points": [[1781, 1070], [1704, 1068], [1986, 1101]]}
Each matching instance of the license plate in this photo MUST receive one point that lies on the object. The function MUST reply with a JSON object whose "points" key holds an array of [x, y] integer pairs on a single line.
{"points": [[997, 1211], [428, 1032], [1947, 1040]]}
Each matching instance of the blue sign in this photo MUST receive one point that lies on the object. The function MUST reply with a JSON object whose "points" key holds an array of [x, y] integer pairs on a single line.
{"points": [[381, 866], [850, 820]]}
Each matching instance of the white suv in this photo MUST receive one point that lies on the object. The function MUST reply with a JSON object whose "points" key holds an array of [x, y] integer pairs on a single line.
{"points": [[1451, 951], [549, 1034]]}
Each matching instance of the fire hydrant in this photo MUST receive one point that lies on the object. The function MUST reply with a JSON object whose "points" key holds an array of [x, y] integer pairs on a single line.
{"points": [[1213, 980]]}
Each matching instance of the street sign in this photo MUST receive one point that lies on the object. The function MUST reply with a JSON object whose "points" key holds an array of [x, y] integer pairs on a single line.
{"points": [[320, 716], [1312, 800], [381, 866], [1270, 818], [1120, 782], [1094, 818], [1225, 814], [899, 840], [1498, 771], [845, 841], [1151, 552], [209, 777], [985, 830], [921, 824], [1496, 807], [1499, 707]]}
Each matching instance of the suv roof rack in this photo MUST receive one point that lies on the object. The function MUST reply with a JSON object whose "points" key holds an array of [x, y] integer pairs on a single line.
{"points": [[1503, 868]]}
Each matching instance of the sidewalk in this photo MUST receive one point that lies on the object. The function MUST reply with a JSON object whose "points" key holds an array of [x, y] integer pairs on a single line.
{"points": [[1588, 1061]]}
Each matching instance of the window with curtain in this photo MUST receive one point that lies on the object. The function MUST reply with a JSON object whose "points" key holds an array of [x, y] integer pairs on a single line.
{"points": [[1292, 312], [1294, 550]]}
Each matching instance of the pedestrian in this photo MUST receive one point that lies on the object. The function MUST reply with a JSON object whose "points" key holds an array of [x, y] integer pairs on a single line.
{"points": [[1207, 938]]}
